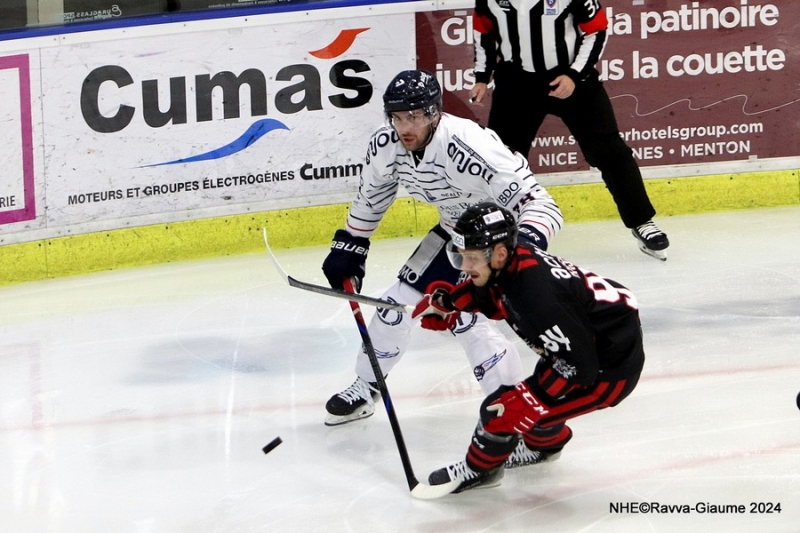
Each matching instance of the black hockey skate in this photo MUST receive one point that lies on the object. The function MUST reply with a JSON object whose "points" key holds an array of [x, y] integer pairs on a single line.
{"points": [[469, 478], [524, 456], [651, 240], [355, 402]]}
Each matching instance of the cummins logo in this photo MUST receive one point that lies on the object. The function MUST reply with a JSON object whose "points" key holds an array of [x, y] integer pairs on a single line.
{"points": [[310, 172]]}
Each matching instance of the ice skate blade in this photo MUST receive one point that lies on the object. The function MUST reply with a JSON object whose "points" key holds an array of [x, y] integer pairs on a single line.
{"points": [[661, 255], [336, 420]]}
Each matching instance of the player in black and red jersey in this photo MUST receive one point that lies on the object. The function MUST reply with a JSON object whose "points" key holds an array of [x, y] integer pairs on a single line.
{"points": [[585, 328]]}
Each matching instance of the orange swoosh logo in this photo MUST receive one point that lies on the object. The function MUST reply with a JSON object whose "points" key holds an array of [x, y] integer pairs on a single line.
{"points": [[343, 41]]}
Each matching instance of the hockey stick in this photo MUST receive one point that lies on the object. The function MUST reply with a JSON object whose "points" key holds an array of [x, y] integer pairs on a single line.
{"points": [[418, 490], [367, 300]]}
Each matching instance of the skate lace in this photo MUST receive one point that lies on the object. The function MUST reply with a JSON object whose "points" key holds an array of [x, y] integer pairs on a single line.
{"points": [[648, 230], [359, 390], [523, 455], [461, 471]]}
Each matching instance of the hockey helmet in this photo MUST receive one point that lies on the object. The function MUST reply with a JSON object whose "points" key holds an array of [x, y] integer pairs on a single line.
{"points": [[480, 227], [413, 89]]}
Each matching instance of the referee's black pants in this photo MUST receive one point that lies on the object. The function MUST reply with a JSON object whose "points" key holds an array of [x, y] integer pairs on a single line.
{"points": [[520, 103]]}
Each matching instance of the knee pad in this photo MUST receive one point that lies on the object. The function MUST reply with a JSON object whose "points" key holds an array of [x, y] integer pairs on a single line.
{"points": [[548, 438]]}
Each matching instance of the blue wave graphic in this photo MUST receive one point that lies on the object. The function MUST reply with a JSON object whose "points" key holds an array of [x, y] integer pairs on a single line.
{"points": [[256, 130]]}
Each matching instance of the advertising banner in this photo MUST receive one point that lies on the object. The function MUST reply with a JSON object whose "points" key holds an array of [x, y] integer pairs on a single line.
{"points": [[691, 82], [226, 118], [17, 152], [121, 130]]}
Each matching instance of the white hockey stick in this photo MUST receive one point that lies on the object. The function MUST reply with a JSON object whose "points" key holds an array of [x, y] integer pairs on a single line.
{"points": [[328, 291]]}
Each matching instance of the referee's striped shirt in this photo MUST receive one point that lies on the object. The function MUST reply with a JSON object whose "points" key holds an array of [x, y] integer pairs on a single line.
{"points": [[562, 36]]}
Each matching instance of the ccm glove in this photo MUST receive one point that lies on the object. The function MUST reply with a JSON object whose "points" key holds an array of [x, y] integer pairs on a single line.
{"points": [[518, 410], [530, 235], [347, 259], [436, 308]]}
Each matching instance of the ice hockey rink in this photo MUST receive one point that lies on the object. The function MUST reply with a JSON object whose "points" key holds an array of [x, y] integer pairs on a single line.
{"points": [[139, 400]]}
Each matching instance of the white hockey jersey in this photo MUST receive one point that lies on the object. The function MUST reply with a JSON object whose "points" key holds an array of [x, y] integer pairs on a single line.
{"points": [[462, 165]]}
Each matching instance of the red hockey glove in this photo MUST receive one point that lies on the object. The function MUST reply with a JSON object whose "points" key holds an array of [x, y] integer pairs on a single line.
{"points": [[436, 309], [518, 410]]}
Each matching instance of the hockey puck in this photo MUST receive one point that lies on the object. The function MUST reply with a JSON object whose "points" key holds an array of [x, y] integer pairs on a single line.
{"points": [[798, 400], [272, 445]]}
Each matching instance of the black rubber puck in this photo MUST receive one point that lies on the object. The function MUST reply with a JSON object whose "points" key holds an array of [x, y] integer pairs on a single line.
{"points": [[272, 445]]}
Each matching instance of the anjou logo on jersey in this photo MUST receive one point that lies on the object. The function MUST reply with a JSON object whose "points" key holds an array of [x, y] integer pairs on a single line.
{"points": [[468, 161], [381, 138], [303, 77], [549, 10]]}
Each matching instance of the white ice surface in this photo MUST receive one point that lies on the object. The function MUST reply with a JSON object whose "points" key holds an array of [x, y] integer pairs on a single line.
{"points": [[139, 400]]}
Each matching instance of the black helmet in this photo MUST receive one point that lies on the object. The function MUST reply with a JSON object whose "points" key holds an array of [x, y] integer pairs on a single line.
{"points": [[413, 89], [483, 225]]}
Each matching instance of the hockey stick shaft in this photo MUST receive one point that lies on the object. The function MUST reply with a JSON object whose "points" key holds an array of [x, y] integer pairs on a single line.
{"points": [[327, 291], [418, 490], [387, 400]]}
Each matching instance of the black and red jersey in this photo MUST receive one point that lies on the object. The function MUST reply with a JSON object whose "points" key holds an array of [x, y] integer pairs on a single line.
{"points": [[583, 324]]}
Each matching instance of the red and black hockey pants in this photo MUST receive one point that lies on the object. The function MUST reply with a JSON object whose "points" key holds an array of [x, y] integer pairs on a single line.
{"points": [[488, 450]]}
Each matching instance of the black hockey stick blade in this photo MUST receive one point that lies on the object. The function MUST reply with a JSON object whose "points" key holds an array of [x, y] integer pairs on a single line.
{"points": [[328, 291]]}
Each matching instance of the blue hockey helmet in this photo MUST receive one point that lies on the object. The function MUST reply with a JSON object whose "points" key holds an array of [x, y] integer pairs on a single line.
{"points": [[413, 89]]}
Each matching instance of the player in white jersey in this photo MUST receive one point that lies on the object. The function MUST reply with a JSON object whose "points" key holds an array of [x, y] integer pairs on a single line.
{"points": [[451, 163]]}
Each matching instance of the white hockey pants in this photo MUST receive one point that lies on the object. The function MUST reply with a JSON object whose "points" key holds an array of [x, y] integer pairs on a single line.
{"points": [[494, 359]]}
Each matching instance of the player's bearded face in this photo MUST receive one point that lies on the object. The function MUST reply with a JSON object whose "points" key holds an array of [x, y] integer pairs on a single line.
{"points": [[413, 127]]}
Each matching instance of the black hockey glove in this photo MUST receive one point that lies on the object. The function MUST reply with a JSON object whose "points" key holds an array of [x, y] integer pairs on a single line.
{"points": [[533, 236], [347, 259]]}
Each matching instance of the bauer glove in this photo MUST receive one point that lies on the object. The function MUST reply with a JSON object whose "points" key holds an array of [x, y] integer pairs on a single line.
{"points": [[436, 308], [347, 259], [518, 410]]}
